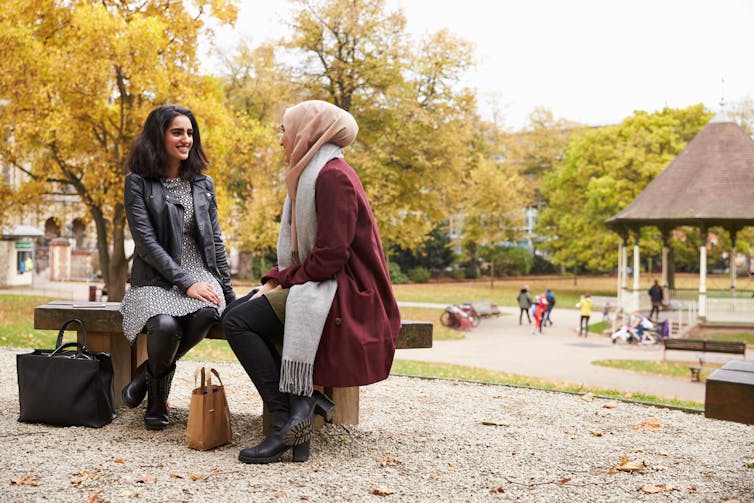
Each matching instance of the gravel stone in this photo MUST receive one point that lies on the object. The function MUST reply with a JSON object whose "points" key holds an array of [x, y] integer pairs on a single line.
{"points": [[418, 440]]}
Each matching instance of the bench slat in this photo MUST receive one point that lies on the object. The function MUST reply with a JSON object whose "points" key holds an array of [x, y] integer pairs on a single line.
{"points": [[706, 346]]}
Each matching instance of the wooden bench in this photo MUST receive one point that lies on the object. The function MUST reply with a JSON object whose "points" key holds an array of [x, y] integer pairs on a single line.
{"points": [[703, 346], [729, 392], [104, 325], [486, 309]]}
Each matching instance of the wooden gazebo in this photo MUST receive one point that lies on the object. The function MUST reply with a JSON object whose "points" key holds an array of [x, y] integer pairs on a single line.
{"points": [[709, 184]]}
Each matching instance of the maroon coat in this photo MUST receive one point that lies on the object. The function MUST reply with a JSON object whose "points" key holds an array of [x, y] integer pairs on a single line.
{"points": [[358, 340]]}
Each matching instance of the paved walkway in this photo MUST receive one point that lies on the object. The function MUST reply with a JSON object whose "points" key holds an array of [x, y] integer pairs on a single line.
{"points": [[558, 354], [504, 345]]}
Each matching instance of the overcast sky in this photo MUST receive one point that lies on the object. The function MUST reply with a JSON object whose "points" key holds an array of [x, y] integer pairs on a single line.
{"points": [[589, 61]]}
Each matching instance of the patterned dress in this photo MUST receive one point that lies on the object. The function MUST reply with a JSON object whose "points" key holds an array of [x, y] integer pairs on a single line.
{"points": [[143, 302]]}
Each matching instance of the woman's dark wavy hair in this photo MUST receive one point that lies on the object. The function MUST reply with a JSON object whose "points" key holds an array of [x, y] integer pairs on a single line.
{"points": [[147, 155]]}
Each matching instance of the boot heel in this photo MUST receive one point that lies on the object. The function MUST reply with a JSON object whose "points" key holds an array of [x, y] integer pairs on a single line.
{"points": [[323, 406], [301, 452]]}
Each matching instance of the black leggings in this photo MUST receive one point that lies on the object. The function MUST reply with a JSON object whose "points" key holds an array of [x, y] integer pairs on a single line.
{"points": [[253, 329], [171, 337], [584, 324], [520, 314]]}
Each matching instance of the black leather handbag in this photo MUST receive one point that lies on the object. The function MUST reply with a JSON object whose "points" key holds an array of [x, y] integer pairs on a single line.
{"points": [[66, 386]]}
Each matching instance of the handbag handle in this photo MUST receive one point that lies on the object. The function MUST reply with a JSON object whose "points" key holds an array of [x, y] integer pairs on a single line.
{"points": [[205, 378], [62, 332], [80, 351]]}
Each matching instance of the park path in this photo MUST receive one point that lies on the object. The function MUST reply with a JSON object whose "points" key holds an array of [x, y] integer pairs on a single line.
{"points": [[502, 344]]}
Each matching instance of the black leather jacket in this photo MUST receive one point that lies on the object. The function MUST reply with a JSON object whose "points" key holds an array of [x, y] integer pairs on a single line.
{"points": [[156, 221]]}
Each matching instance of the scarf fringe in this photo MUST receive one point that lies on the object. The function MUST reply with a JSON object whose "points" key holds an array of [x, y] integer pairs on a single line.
{"points": [[296, 378]]}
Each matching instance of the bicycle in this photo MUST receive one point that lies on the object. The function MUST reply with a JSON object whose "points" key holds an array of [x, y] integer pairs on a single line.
{"points": [[455, 317]]}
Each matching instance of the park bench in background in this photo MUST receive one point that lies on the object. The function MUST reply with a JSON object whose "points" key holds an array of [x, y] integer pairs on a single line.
{"points": [[703, 346], [729, 392], [104, 325], [485, 309]]}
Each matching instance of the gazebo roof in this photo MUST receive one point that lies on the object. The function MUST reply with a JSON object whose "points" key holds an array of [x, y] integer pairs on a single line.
{"points": [[710, 183]]}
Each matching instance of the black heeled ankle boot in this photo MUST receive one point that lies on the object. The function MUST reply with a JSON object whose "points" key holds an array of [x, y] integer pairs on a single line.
{"points": [[272, 448], [134, 392], [158, 389], [298, 429]]}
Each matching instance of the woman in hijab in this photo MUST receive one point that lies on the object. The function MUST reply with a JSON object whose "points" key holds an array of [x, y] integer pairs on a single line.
{"points": [[329, 301]]}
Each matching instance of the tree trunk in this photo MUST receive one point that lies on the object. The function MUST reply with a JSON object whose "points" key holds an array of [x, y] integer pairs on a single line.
{"points": [[116, 286]]}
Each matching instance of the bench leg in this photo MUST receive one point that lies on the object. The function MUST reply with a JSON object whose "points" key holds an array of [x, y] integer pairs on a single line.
{"points": [[117, 345], [695, 373], [346, 408]]}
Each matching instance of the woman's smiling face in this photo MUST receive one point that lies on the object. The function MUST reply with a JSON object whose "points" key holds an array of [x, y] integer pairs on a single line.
{"points": [[179, 138]]}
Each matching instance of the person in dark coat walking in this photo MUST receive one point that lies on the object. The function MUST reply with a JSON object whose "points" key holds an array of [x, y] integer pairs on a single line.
{"points": [[655, 296], [329, 301], [524, 303]]}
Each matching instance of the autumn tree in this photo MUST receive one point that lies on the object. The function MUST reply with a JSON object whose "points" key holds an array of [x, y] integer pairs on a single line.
{"points": [[257, 89], [413, 147], [603, 170], [77, 81]]}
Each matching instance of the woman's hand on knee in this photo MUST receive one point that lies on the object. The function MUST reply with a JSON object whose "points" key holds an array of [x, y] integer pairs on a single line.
{"points": [[203, 291]]}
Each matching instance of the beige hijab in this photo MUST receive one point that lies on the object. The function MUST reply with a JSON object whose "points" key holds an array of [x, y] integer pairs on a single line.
{"points": [[308, 126]]}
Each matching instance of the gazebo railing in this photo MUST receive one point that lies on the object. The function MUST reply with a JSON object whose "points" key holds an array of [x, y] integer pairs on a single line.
{"points": [[720, 307]]}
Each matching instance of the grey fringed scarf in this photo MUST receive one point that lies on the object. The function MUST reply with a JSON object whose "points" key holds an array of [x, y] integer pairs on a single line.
{"points": [[308, 305]]}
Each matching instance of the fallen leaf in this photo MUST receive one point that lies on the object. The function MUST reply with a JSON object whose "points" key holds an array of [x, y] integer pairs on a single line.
{"points": [[631, 466], [489, 422], [497, 490], [596, 433], [657, 488], [387, 459], [588, 397], [119, 460], [612, 470], [28, 480], [610, 405], [564, 481], [628, 395], [146, 479], [176, 476], [196, 476], [649, 424], [452, 465], [382, 491], [94, 498], [750, 463], [216, 469], [691, 489]]}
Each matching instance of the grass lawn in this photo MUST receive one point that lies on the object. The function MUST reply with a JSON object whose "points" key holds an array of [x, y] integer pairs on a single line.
{"points": [[747, 338], [17, 323], [676, 369], [450, 371]]}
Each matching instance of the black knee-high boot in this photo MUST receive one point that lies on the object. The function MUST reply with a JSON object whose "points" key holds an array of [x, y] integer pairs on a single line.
{"points": [[134, 392], [158, 389]]}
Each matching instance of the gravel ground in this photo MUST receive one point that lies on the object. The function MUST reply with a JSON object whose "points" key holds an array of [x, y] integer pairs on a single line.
{"points": [[419, 440]]}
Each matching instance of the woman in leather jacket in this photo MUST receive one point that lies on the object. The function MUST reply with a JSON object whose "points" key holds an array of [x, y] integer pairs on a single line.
{"points": [[180, 281]]}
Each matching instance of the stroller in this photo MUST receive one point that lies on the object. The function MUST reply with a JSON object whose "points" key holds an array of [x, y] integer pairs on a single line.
{"points": [[642, 332]]}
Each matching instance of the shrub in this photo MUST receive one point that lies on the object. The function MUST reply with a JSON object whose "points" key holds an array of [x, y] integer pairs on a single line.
{"points": [[458, 274], [396, 275], [418, 275]]}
